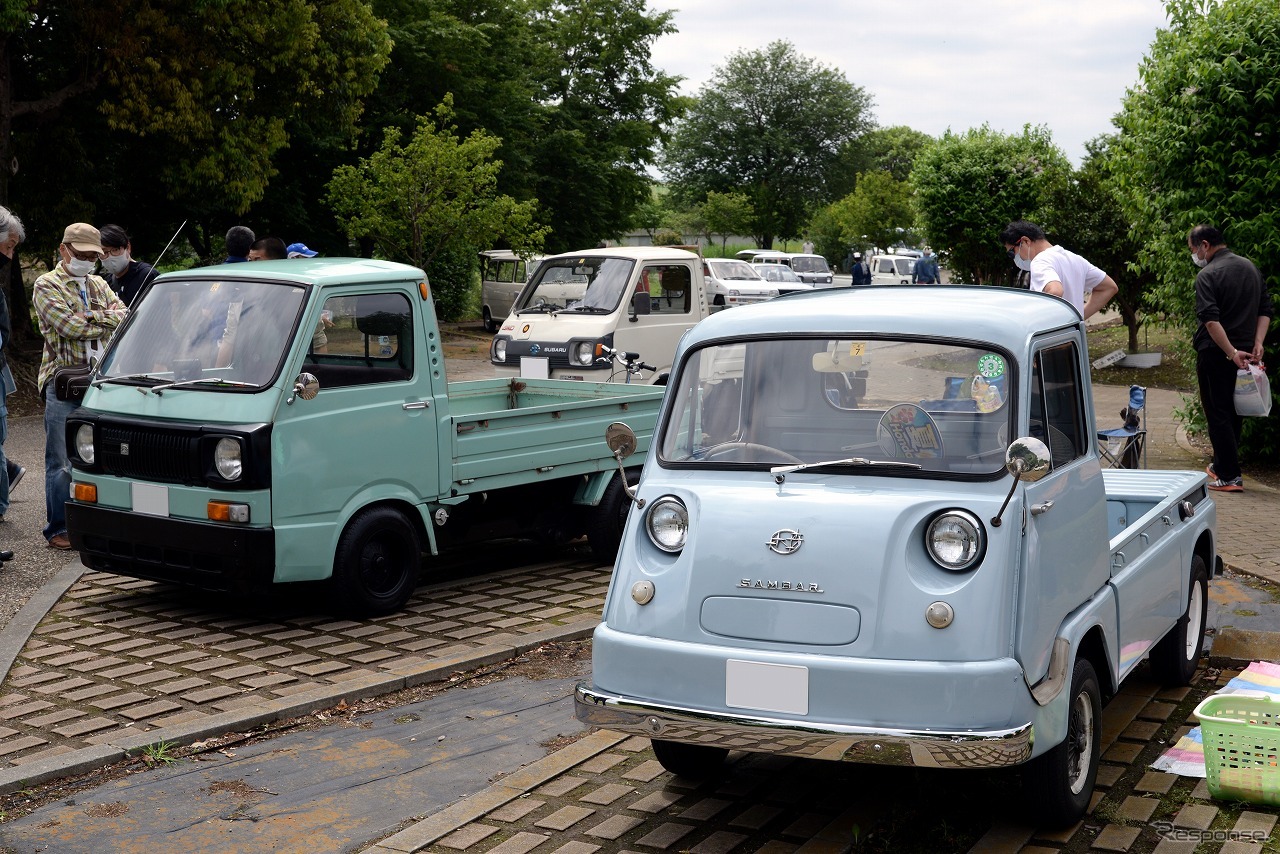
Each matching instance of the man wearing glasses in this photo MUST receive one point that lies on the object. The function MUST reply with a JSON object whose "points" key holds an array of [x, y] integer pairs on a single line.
{"points": [[77, 312], [1055, 270]]}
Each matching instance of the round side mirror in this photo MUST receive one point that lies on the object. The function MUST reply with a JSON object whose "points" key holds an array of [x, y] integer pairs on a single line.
{"points": [[306, 386], [621, 440], [1027, 459]]}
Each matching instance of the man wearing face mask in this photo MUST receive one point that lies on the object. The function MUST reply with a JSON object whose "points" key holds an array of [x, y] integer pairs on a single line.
{"points": [[1234, 310], [77, 312], [1055, 270], [125, 276]]}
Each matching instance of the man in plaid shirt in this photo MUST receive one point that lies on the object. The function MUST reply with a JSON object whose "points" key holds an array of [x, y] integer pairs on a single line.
{"points": [[77, 313]]}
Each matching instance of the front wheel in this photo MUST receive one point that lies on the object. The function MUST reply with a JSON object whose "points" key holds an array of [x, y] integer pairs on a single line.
{"points": [[692, 761], [376, 566], [1060, 782], [609, 518], [1174, 658]]}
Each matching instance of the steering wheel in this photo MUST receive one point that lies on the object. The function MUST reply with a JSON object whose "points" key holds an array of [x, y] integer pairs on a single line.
{"points": [[727, 449]]}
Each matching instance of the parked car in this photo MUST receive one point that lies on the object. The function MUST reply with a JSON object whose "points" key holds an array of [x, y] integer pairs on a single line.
{"points": [[812, 269], [892, 269], [787, 280], [732, 282], [502, 274]]}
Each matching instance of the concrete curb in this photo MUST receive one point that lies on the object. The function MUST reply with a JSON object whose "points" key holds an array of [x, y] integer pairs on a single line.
{"points": [[322, 697], [439, 824], [15, 635]]}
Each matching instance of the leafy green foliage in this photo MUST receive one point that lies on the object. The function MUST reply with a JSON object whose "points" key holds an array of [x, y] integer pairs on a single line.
{"points": [[770, 124], [726, 214], [877, 213], [435, 194], [892, 149], [970, 186], [1200, 143]]}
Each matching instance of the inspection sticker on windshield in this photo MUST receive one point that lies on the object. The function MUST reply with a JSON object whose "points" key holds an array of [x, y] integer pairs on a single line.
{"points": [[991, 366], [857, 348]]}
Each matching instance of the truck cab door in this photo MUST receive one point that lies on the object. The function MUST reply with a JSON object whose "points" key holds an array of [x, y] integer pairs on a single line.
{"points": [[369, 434], [674, 307], [1065, 547]]}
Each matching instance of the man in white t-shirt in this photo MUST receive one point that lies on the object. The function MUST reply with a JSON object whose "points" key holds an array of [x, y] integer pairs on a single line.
{"points": [[1055, 270]]}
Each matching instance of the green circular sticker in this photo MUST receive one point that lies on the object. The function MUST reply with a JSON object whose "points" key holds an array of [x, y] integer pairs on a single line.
{"points": [[991, 366]]}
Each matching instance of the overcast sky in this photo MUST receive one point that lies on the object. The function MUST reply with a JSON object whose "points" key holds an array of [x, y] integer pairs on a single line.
{"points": [[939, 64]]}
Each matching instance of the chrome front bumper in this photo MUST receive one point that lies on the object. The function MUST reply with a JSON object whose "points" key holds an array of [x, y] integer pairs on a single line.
{"points": [[874, 745]]}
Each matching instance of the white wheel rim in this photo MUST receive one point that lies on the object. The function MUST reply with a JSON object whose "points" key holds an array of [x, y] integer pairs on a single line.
{"points": [[1195, 620], [1080, 728]]}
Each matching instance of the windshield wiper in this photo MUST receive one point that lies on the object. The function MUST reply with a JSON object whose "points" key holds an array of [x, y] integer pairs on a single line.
{"points": [[206, 381], [780, 472], [541, 308], [588, 309], [122, 379]]}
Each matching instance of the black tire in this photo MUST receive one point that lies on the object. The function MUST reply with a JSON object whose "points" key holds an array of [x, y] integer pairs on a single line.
{"points": [[1174, 658], [376, 566], [692, 761], [1060, 782], [489, 325], [609, 518]]}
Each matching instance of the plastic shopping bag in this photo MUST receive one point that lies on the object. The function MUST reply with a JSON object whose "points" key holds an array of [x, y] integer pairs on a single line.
{"points": [[1253, 392]]}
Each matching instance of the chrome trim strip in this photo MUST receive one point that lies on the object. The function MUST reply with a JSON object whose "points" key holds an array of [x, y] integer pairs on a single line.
{"points": [[872, 745]]}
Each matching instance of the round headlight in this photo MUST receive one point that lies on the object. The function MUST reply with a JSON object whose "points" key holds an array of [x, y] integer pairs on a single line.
{"points": [[584, 353], [955, 540], [84, 443], [668, 524], [227, 459], [500, 350]]}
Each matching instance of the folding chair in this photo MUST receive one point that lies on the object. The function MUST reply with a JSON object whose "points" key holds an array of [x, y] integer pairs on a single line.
{"points": [[1126, 447]]}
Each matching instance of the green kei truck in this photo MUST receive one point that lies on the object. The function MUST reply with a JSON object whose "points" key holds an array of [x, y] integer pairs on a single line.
{"points": [[290, 421]]}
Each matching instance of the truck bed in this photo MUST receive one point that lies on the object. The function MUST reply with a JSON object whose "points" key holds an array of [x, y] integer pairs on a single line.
{"points": [[1135, 496], [511, 431]]}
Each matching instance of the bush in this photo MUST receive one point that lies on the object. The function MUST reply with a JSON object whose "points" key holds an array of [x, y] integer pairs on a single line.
{"points": [[455, 283]]}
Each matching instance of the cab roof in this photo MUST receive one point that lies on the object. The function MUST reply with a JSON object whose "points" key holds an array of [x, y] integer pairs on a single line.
{"points": [[306, 271]]}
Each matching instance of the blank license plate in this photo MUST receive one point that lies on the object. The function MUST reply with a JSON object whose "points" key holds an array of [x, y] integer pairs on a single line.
{"points": [[150, 499], [535, 367], [766, 687]]}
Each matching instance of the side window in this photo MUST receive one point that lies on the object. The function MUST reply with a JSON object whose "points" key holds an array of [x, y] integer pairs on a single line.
{"points": [[670, 288], [1057, 408], [506, 269], [520, 274], [361, 340]]}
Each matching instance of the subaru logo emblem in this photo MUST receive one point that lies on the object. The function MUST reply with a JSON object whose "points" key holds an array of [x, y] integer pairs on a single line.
{"points": [[124, 449], [786, 541], [534, 349]]}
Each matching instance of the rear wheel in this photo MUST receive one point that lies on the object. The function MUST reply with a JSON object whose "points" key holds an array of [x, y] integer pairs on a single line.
{"points": [[1174, 658], [1060, 782], [694, 761], [609, 517], [489, 324], [376, 566]]}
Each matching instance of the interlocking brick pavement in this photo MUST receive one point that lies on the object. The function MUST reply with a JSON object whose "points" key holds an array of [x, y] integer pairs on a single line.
{"points": [[602, 794], [121, 657]]}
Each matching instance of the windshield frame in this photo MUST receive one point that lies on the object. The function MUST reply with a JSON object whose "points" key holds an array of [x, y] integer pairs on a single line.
{"points": [[619, 270], [675, 405], [236, 382]]}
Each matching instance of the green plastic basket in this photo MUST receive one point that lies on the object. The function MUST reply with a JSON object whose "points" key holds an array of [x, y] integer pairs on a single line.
{"points": [[1241, 736]]}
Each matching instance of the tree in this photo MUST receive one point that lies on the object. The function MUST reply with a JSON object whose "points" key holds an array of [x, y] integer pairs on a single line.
{"points": [[970, 185], [1087, 218], [891, 149], [726, 214], [879, 211], [769, 124], [434, 196], [1200, 143], [174, 109]]}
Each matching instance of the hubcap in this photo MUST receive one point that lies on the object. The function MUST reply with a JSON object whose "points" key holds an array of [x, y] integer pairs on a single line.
{"points": [[1080, 735]]}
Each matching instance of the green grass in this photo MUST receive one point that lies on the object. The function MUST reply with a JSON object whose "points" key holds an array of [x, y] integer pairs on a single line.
{"points": [[1173, 372]]}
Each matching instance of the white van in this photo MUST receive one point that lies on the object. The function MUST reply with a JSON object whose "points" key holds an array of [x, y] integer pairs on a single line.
{"points": [[812, 269], [639, 299], [502, 274], [892, 269]]}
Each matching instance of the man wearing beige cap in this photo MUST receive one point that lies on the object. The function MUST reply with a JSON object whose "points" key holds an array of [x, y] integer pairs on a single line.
{"points": [[77, 313]]}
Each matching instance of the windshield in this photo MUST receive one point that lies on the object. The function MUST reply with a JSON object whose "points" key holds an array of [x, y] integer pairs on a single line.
{"points": [[941, 407], [777, 273], [904, 265], [192, 331], [586, 285], [733, 270], [809, 264]]}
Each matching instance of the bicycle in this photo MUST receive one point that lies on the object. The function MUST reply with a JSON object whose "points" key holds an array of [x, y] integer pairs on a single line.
{"points": [[630, 362]]}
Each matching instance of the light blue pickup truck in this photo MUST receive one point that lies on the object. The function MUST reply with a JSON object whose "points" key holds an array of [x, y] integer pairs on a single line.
{"points": [[290, 421], [873, 527]]}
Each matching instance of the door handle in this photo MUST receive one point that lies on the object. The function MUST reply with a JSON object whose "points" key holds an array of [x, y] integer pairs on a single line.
{"points": [[417, 404], [1038, 509]]}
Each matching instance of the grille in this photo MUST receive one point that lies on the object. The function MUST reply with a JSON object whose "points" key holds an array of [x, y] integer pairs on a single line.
{"points": [[157, 455]]}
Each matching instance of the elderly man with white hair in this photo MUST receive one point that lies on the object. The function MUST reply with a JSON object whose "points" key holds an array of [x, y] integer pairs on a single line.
{"points": [[11, 234]]}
